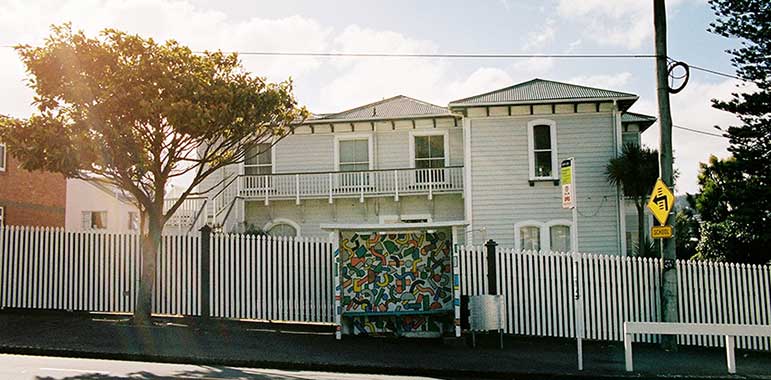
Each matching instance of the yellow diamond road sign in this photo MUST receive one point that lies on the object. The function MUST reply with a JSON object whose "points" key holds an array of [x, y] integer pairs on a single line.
{"points": [[661, 201]]}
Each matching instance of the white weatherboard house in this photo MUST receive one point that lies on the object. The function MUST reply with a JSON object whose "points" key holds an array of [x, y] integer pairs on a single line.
{"points": [[485, 167]]}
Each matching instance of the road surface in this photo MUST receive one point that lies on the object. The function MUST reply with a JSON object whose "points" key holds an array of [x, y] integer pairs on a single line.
{"points": [[23, 367]]}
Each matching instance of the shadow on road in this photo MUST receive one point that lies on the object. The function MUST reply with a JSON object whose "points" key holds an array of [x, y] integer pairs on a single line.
{"points": [[202, 374]]}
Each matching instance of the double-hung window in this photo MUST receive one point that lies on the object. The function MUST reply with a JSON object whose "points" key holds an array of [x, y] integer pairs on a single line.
{"points": [[94, 220], [2, 157], [559, 238], [542, 141], [133, 221], [552, 236], [258, 165], [353, 156], [430, 155]]}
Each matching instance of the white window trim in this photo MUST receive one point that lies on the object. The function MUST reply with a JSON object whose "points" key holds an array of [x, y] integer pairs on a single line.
{"points": [[531, 147], [2, 216], [558, 222], [545, 232], [518, 235], [272, 160], [355, 136], [4, 157], [277, 221], [442, 132], [106, 220]]}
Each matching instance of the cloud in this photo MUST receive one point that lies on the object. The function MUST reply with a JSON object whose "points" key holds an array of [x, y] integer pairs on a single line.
{"points": [[28, 22], [537, 39], [624, 23], [692, 109]]}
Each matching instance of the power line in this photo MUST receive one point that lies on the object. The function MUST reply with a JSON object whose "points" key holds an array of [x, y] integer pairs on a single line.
{"points": [[698, 131], [717, 73], [453, 56]]}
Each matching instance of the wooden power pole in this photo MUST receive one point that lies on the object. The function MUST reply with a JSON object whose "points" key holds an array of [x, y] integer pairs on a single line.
{"points": [[669, 269]]}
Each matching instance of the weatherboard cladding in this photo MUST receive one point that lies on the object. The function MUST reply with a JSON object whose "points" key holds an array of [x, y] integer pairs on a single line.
{"points": [[539, 90], [392, 108]]}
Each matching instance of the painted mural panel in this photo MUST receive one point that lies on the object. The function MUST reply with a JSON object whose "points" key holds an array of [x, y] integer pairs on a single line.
{"points": [[396, 273]]}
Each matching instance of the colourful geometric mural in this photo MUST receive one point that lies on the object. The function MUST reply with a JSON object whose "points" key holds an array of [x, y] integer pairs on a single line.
{"points": [[396, 273]]}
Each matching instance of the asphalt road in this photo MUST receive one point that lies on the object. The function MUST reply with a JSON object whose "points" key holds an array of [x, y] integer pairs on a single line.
{"points": [[22, 367]]}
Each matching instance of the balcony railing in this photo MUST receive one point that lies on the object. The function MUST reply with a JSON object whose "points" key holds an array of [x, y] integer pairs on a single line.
{"points": [[354, 184]]}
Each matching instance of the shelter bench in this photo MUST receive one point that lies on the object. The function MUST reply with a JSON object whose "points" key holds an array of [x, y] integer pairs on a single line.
{"points": [[668, 328]]}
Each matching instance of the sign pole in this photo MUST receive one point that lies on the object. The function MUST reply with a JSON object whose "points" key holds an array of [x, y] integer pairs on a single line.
{"points": [[570, 200]]}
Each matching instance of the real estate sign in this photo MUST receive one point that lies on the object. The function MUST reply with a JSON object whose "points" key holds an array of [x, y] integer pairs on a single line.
{"points": [[566, 182]]}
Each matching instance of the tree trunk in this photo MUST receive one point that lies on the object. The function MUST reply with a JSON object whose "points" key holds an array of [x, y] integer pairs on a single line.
{"points": [[641, 248], [151, 242]]}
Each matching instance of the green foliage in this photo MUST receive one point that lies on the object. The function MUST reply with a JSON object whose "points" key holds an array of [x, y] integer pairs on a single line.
{"points": [[137, 114], [686, 231], [734, 227], [253, 230], [735, 199], [636, 171]]}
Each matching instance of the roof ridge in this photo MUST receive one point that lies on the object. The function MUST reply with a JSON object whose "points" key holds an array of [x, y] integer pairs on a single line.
{"points": [[498, 90], [583, 86], [539, 80], [381, 101], [423, 102]]}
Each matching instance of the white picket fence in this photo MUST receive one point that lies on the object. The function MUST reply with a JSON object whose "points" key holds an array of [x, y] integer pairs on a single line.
{"points": [[251, 277], [539, 289], [275, 279], [284, 279]]}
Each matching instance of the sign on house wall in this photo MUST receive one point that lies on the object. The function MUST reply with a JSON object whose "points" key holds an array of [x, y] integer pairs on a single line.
{"points": [[566, 181]]}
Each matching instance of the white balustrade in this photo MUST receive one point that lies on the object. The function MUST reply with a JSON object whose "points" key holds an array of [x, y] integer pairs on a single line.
{"points": [[355, 184]]}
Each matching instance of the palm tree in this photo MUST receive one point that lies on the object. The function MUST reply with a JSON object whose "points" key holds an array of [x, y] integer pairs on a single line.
{"points": [[636, 171]]}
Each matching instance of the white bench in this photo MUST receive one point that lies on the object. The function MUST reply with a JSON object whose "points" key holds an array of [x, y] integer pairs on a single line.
{"points": [[729, 331]]}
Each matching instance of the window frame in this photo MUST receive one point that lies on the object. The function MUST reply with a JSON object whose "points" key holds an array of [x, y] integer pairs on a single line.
{"points": [[139, 221], [544, 233], [518, 234], [4, 157], [2, 216], [564, 223], [91, 218], [244, 165], [442, 132], [355, 136], [278, 221], [531, 149]]}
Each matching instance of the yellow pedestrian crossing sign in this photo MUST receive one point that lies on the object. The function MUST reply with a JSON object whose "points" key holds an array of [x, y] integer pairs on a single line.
{"points": [[661, 201]]}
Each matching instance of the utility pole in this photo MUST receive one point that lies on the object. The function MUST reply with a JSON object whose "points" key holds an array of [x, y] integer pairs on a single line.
{"points": [[669, 270]]}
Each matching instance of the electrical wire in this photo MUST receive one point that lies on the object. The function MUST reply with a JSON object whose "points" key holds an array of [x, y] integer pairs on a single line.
{"points": [[698, 131]]}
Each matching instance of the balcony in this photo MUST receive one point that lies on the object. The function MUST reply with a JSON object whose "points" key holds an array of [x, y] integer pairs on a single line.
{"points": [[355, 184]]}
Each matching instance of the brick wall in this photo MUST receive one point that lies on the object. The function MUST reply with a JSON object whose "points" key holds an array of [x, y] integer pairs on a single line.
{"points": [[31, 198]]}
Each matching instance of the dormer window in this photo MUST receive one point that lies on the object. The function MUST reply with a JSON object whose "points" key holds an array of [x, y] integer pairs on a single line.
{"points": [[542, 147]]}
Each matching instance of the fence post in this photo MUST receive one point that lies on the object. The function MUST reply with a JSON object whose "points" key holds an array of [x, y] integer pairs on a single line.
{"points": [[492, 270], [205, 271]]}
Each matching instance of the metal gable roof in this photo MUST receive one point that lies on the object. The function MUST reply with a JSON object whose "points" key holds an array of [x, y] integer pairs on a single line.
{"points": [[645, 121], [539, 90], [397, 107]]}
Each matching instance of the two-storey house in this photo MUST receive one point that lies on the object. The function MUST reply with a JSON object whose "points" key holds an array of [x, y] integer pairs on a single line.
{"points": [[485, 167]]}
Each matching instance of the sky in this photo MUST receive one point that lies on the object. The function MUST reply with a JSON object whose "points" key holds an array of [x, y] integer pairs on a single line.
{"points": [[402, 26]]}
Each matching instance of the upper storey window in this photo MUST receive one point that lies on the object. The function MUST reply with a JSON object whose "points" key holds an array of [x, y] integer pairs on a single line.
{"points": [[542, 147], [353, 155], [259, 160]]}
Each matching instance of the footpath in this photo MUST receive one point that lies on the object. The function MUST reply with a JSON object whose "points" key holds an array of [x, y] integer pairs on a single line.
{"points": [[298, 347]]}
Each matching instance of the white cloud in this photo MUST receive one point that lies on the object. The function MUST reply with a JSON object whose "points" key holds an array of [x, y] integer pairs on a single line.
{"points": [[538, 39], [692, 109], [480, 81], [28, 22], [605, 81], [624, 23]]}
